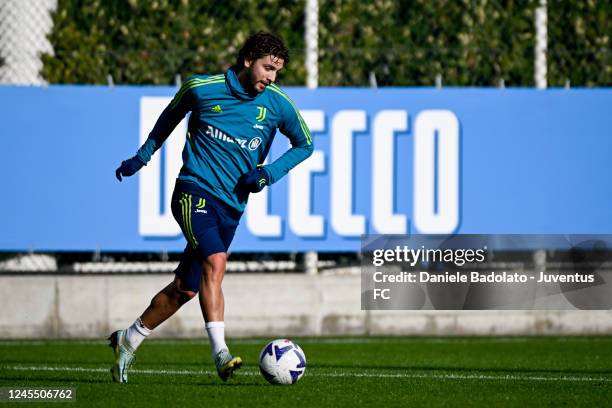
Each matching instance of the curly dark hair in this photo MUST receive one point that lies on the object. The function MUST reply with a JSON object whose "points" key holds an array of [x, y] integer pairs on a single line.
{"points": [[259, 45]]}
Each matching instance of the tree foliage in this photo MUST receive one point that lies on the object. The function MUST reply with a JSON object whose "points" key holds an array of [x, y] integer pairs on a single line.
{"points": [[149, 42], [579, 43], [399, 42], [410, 42]]}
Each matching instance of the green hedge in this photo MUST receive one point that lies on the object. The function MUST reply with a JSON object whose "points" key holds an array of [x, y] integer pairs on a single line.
{"points": [[149, 42], [468, 43], [403, 42], [579, 43]]}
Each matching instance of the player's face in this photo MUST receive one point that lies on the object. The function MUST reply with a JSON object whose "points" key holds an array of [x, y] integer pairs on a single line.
{"points": [[263, 71]]}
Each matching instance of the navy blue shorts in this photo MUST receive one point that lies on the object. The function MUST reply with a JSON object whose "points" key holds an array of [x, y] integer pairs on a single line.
{"points": [[208, 225]]}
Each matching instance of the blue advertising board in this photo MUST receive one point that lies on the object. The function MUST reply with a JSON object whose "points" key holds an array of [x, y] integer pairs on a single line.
{"points": [[386, 161]]}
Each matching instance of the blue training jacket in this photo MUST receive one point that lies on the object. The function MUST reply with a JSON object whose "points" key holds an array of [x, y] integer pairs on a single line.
{"points": [[229, 133]]}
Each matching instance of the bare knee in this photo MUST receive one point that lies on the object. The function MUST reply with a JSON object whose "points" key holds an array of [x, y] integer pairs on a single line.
{"points": [[183, 295]]}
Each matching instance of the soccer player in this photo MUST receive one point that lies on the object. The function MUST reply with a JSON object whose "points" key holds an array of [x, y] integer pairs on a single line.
{"points": [[234, 117]]}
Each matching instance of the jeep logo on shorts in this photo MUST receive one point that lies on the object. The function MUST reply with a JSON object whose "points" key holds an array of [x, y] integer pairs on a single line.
{"points": [[254, 143]]}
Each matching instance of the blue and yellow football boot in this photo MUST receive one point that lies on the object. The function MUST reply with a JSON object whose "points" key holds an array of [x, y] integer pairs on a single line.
{"points": [[226, 364]]}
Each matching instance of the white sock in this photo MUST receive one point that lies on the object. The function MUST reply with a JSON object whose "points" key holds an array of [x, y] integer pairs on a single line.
{"points": [[216, 335], [136, 333]]}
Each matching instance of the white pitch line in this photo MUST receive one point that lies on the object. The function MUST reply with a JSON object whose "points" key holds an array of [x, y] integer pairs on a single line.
{"points": [[106, 370], [326, 374]]}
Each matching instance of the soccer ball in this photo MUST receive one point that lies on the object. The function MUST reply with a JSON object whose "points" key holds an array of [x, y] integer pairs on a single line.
{"points": [[282, 362]]}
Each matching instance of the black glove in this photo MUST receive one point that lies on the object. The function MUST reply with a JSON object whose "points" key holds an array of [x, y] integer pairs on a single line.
{"points": [[129, 167], [254, 181]]}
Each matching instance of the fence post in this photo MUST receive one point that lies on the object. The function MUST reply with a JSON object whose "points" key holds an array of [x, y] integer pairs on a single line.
{"points": [[312, 82], [541, 21], [312, 44]]}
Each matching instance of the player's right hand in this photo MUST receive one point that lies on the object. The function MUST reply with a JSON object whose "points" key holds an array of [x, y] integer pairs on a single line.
{"points": [[129, 167]]}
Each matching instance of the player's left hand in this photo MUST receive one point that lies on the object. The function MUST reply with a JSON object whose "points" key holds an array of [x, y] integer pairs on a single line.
{"points": [[255, 180]]}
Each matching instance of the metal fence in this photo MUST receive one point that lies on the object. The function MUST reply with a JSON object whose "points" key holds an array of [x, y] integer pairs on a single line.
{"points": [[24, 26]]}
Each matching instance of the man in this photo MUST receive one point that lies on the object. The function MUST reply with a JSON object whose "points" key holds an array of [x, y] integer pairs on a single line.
{"points": [[234, 118]]}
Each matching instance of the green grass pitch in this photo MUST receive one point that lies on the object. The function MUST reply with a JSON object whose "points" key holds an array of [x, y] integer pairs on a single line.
{"points": [[346, 371]]}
